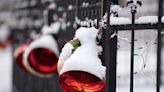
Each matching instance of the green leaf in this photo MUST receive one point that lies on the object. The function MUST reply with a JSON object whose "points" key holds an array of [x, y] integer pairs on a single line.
{"points": [[75, 43]]}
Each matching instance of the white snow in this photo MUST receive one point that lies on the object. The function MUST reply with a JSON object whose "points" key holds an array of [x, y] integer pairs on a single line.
{"points": [[115, 8], [24, 22], [63, 22], [70, 7], [119, 20], [162, 19], [4, 33], [140, 20], [85, 58], [145, 79], [86, 35], [6, 69], [52, 29], [52, 6], [46, 41], [34, 35], [149, 8], [139, 89], [64, 55], [147, 19], [38, 23]]}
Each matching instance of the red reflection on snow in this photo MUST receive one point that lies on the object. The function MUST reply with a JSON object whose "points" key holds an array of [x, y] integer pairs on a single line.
{"points": [[78, 81]]}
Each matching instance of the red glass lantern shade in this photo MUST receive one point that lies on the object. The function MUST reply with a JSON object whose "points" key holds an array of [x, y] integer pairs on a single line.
{"points": [[43, 60], [79, 81], [41, 56], [18, 54]]}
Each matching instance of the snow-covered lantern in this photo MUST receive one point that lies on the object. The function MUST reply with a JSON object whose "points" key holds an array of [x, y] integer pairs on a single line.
{"points": [[82, 70], [41, 57], [18, 56]]}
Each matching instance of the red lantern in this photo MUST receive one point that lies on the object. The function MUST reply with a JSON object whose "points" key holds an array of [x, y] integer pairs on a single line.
{"points": [[79, 81], [82, 76], [41, 57], [43, 60], [2, 45], [82, 70]]}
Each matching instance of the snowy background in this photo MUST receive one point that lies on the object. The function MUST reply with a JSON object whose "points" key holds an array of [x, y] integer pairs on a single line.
{"points": [[145, 51], [144, 64], [5, 69]]}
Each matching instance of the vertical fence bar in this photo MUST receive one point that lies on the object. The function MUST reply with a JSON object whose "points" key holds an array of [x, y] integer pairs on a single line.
{"points": [[110, 52], [132, 52], [106, 48], [158, 61], [158, 77], [103, 11]]}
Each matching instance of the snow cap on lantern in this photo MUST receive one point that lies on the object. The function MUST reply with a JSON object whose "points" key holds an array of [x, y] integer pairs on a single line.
{"points": [[84, 59], [41, 56], [64, 55]]}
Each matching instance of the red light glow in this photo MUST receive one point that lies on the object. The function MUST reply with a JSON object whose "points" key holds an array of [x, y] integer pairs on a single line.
{"points": [[78, 81]]}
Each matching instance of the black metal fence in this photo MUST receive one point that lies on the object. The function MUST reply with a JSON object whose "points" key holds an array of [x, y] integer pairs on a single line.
{"points": [[84, 10], [110, 59]]}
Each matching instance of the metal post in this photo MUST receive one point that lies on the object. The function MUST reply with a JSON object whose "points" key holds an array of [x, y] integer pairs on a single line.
{"points": [[132, 52], [158, 61], [50, 16], [158, 77], [110, 52], [106, 49], [103, 11], [133, 5]]}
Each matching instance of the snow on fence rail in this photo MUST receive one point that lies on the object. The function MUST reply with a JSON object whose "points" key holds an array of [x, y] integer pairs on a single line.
{"points": [[140, 20]]}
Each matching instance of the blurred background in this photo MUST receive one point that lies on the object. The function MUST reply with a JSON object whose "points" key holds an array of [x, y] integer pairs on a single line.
{"points": [[24, 19]]}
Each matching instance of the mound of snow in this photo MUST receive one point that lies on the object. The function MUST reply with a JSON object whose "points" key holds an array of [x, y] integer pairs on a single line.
{"points": [[119, 20], [147, 19], [140, 20], [86, 35]]}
